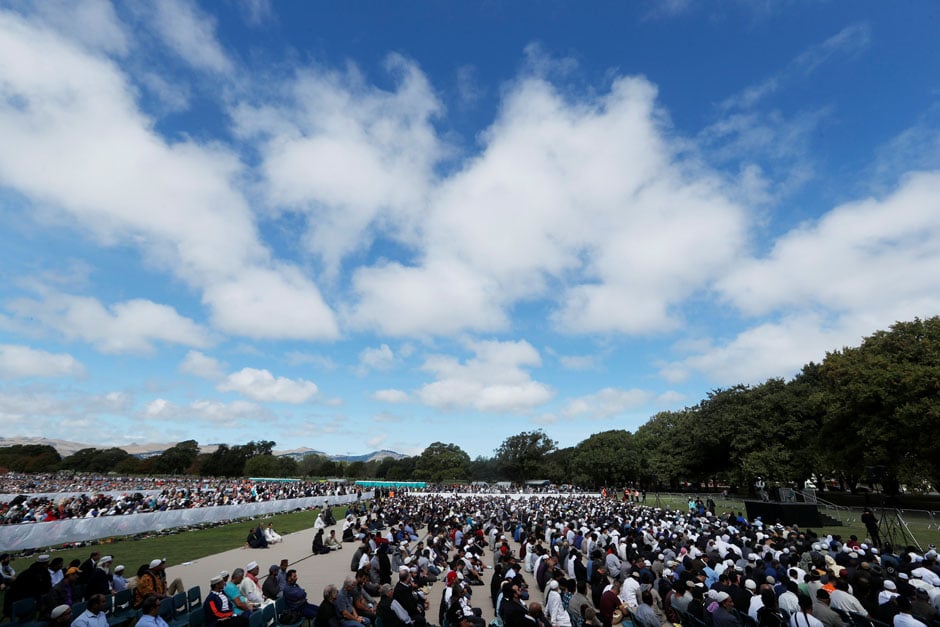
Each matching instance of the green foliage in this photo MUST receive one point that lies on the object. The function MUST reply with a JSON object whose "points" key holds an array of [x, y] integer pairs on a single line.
{"points": [[270, 466], [29, 457], [521, 456], [177, 459], [607, 458], [441, 462], [94, 460]]}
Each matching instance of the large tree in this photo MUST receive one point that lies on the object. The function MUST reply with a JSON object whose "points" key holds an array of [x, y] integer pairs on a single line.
{"points": [[521, 457], [884, 401], [606, 458], [441, 462], [177, 459]]}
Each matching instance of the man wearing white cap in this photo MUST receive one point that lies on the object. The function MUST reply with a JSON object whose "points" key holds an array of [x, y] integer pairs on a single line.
{"points": [[100, 582], [890, 591], [249, 585], [118, 582], [150, 582], [723, 616]]}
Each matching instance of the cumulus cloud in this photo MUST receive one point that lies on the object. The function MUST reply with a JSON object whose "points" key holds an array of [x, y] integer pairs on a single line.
{"points": [[350, 156], [234, 414], [261, 385], [380, 358], [132, 326], [23, 362], [190, 34], [570, 200], [34, 409], [495, 380], [391, 396], [76, 141], [828, 283], [201, 365], [606, 403]]}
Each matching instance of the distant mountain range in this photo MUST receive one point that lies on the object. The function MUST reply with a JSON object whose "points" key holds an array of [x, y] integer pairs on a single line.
{"points": [[66, 448]]}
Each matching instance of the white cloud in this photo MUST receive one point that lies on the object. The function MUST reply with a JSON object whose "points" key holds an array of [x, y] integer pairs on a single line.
{"points": [[381, 358], [261, 385], [606, 403], [301, 358], [493, 381], [216, 413], [580, 201], [190, 33], [579, 362], [847, 43], [22, 362], [391, 396], [75, 141], [385, 416], [201, 365], [269, 303], [829, 283], [132, 326], [354, 158], [34, 409], [857, 257], [94, 23]]}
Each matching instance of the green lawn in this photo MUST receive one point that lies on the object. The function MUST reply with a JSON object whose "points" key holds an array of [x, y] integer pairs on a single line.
{"points": [[917, 523]]}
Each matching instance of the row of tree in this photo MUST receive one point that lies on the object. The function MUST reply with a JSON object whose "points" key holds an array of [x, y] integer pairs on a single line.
{"points": [[864, 414]]}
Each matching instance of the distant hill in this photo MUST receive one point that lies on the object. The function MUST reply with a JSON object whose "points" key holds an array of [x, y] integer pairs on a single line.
{"points": [[66, 448]]}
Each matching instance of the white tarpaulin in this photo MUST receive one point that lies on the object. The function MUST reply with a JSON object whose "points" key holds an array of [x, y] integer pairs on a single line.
{"points": [[38, 535]]}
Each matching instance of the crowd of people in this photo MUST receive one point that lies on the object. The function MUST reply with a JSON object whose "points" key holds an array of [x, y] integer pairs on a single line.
{"points": [[555, 560], [88, 499]]}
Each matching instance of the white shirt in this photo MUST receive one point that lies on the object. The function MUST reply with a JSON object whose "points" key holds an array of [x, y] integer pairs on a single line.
{"points": [[628, 592], [805, 620], [906, 620], [842, 600]]}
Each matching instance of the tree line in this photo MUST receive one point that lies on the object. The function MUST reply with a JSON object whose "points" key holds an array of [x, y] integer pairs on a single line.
{"points": [[868, 414]]}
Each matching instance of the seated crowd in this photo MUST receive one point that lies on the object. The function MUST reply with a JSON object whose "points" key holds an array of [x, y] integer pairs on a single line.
{"points": [[88, 500], [595, 562]]}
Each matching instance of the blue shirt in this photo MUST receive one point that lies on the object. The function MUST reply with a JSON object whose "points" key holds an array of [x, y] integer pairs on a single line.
{"points": [[87, 619]]}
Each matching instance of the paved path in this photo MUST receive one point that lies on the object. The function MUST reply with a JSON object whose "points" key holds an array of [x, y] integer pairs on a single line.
{"points": [[314, 572]]}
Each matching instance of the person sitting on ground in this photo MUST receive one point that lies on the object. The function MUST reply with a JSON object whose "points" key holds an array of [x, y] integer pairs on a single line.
{"points": [[317, 547], [218, 609], [296, 597], [271, 535], [150, 613], [328, 615], [390, 610], [256, 539], [537, 615], [332, 542]]}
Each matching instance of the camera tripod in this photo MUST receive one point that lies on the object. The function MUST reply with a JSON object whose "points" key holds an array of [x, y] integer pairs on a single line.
{"points": [[894, 530]]}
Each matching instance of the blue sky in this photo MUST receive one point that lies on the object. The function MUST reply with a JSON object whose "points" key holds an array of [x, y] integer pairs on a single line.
{"points": [[362, 225]]}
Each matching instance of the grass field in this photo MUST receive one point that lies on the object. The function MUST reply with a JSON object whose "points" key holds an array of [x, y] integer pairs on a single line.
{"points": [[921, 527]]}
